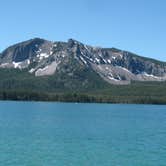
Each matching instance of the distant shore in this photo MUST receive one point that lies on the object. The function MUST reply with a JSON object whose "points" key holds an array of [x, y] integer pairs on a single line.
{"points": [[79, 98]]}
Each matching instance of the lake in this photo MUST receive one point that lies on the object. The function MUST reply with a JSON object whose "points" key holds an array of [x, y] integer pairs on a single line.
{"points": [[70, 134]]}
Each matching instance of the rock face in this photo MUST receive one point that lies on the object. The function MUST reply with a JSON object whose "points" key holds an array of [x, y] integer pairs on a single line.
{"points": [[42, 57]]}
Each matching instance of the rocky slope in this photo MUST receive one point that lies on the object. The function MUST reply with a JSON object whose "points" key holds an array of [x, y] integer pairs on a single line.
{"points": [[41, 57]]}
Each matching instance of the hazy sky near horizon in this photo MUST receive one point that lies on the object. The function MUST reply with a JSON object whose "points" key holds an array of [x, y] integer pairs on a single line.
{"points": [[135, 25]]}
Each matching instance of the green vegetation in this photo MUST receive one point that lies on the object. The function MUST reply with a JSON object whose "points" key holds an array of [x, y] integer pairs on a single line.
{"points": [[21, 85]]}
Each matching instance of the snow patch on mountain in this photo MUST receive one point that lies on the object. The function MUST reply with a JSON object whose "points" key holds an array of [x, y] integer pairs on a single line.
{"points": [[22, 64], [4, 65], [83, 60], [47, 70], [150, 75], [31, 70]]}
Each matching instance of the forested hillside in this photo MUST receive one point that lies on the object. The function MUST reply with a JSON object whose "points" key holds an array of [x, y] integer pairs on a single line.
{"points": [[21, 85]]}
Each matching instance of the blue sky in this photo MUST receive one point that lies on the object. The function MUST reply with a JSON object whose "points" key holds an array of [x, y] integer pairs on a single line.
{"points": [[134, 25]]}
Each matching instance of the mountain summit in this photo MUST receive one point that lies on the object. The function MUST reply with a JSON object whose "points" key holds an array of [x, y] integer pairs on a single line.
{"points": [[46, 58]]}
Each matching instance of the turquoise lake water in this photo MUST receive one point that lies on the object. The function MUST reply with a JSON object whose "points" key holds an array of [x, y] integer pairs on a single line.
{"points": [[66, 134]]}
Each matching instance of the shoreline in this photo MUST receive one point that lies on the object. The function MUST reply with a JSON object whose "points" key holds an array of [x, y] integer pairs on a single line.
{"points": [[74, 102]]}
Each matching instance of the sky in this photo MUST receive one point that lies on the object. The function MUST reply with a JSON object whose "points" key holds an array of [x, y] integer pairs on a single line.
{"points": [[138, 26]]}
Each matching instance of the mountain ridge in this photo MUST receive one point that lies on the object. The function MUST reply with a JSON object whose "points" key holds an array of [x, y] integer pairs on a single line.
{"points": [[42, 57], [115, 48]]}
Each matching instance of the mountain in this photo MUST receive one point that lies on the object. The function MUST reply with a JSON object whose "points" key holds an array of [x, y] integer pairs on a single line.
{"points": [[41, 57], [39, 69]]}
